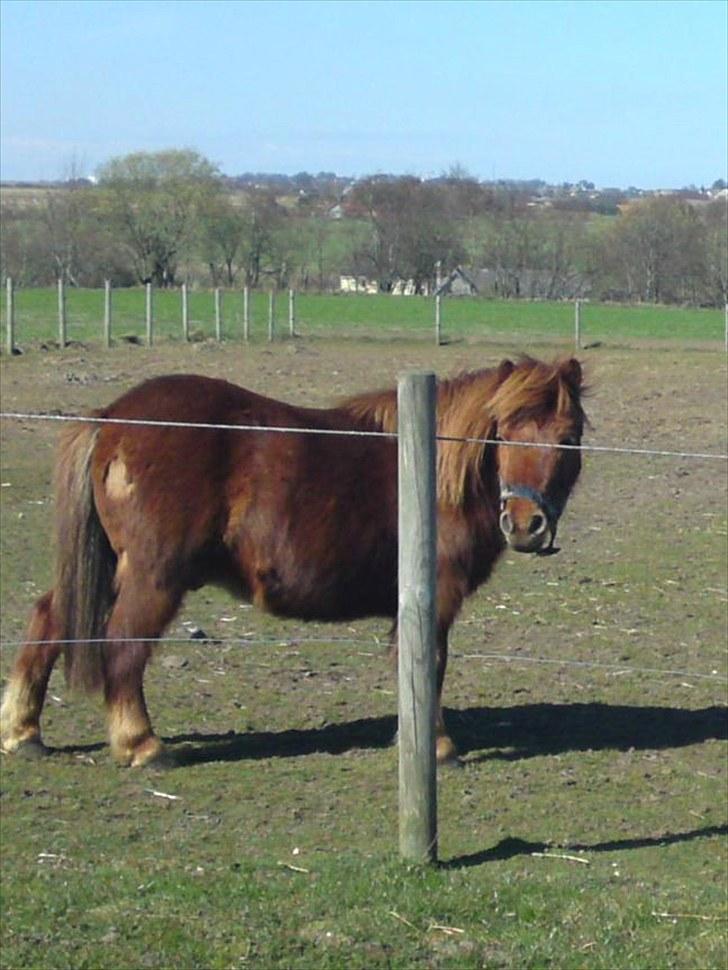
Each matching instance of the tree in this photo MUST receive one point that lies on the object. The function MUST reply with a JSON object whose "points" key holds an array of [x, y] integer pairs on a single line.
{"points": [[411, 230], [156, 200], [658, 250]]}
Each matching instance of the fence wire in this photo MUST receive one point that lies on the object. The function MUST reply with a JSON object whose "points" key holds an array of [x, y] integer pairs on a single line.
{"points": [[352, 433]]}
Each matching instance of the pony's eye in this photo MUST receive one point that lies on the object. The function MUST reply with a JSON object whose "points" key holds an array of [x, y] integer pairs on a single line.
{"points": [[571, 440]]}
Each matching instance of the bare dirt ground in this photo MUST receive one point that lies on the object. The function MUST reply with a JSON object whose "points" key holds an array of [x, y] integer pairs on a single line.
{"points": [[586, 693]]}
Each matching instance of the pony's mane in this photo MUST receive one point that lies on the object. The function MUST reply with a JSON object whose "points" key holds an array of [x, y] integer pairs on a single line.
{"points": [[536, 391], [470, 405]]}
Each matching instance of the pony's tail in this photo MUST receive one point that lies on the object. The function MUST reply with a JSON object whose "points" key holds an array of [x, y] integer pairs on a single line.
{"points": [[83, 592]]}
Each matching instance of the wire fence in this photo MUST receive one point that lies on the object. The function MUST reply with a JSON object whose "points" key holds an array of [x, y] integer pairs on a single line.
{"points": [[339, 432], [622, 668], [143, 315]]}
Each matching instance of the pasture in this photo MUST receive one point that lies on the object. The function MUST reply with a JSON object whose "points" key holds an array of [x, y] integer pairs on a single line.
{"points": [[586, 692], [360, 316]]}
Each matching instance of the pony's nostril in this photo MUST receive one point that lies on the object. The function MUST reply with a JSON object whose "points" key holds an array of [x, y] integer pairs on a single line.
{"points": [[537, 525], [506, 523]]}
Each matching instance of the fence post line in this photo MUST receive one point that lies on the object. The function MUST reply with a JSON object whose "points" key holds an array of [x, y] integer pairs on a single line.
{"points": [[417, 618], [271, 315], [61, 313], [438, 320], [291, 313], [246, 314], [107, 313], [577, 324], [10, 316], [150, 321], [218, 314], [185, 314]]}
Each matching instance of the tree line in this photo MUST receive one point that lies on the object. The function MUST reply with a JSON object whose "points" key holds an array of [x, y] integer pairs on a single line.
{"points": [[171, 217]]}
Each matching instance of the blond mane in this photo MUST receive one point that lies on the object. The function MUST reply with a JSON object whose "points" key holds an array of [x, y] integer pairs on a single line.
{"points": [[471, 405]]}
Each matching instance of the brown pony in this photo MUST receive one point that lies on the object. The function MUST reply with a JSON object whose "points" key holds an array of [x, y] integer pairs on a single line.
{"points": [[303, 525]]}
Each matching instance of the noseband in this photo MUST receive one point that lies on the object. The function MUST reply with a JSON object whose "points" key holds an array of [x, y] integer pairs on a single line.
{"points": [[551, 510]]}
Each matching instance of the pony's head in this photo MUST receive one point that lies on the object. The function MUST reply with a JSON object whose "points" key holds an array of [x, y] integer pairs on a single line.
{"points": [[536, 404]]}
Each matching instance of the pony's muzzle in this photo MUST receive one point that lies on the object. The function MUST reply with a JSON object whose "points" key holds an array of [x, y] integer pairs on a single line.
{"points": [[524, 525]]}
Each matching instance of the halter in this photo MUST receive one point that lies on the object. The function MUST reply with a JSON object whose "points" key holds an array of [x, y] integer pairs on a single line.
{"points": [[550, 509]]}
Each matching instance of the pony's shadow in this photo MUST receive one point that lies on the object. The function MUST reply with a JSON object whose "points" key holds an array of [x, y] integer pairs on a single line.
{"points": [[510, 848], [480, 733]]}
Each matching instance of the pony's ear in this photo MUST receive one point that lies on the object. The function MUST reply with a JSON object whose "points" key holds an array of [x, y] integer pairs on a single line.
{"points": [[572, 373], [505, 369]]}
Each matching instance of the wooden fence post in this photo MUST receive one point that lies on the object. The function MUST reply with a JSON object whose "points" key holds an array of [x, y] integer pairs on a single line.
{"points": [[291, 313], [438, 320], [107, 313], [246, 314], [218, 314], [577, 324], [10, 316], [271, 315], [417, 618], [150, 315], [185, 314], [61, 313]]}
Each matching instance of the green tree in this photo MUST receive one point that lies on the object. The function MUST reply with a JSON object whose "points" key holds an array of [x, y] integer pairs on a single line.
{"points": [[156, 201]]}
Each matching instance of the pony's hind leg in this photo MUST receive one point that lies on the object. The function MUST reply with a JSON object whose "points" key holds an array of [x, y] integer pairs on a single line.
{"points": [[26, 688], [140, 614]]}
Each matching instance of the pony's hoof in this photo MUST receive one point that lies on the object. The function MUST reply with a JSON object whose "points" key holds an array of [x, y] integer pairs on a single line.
{"points": [[32, 749], [446, 752]]}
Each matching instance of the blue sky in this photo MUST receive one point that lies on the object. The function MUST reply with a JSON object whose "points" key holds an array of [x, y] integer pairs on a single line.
{"points": [[619, 93]]}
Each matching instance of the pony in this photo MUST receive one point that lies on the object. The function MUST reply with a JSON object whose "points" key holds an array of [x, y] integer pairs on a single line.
{"points": [[300, 524]]}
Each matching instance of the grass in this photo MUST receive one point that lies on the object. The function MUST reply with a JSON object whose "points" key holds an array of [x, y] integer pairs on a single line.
{"points": [[280, 848], [36, 316]]}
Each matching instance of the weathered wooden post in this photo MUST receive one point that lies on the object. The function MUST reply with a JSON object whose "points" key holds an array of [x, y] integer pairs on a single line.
{"points": [[10, 316], [246, 314], [107, 313], [291, 313], [218, 314], [185, 314], [61, 313], [577, 324], [271, 315], [150, 315], [417, 618], [438, 320]]}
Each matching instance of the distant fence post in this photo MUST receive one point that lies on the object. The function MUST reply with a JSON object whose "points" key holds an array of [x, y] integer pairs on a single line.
{"points": [[726, 328], [150, 315], [438, 320], [107, 313], [291, 313], [271, 315], [61, 313], [246, 314], [10, 316], [577, 324], [185, 314], [417, 618], [218, 314]]}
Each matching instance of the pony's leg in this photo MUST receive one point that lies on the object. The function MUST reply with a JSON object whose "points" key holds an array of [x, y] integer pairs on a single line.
{"points": [[444, 747], [26, 689], [445, 750], [140, 614]]}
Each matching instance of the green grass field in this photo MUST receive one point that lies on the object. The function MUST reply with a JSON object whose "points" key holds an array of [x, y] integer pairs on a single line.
{"points": [[383, 316], [586, 828]]}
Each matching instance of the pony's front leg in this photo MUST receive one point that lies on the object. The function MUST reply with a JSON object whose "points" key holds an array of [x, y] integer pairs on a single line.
{"points": [[26, 688], [446, 752], [138, 614]]}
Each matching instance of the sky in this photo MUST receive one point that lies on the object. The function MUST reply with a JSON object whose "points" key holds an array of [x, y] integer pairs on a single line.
{"points": [[618, 92]]}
